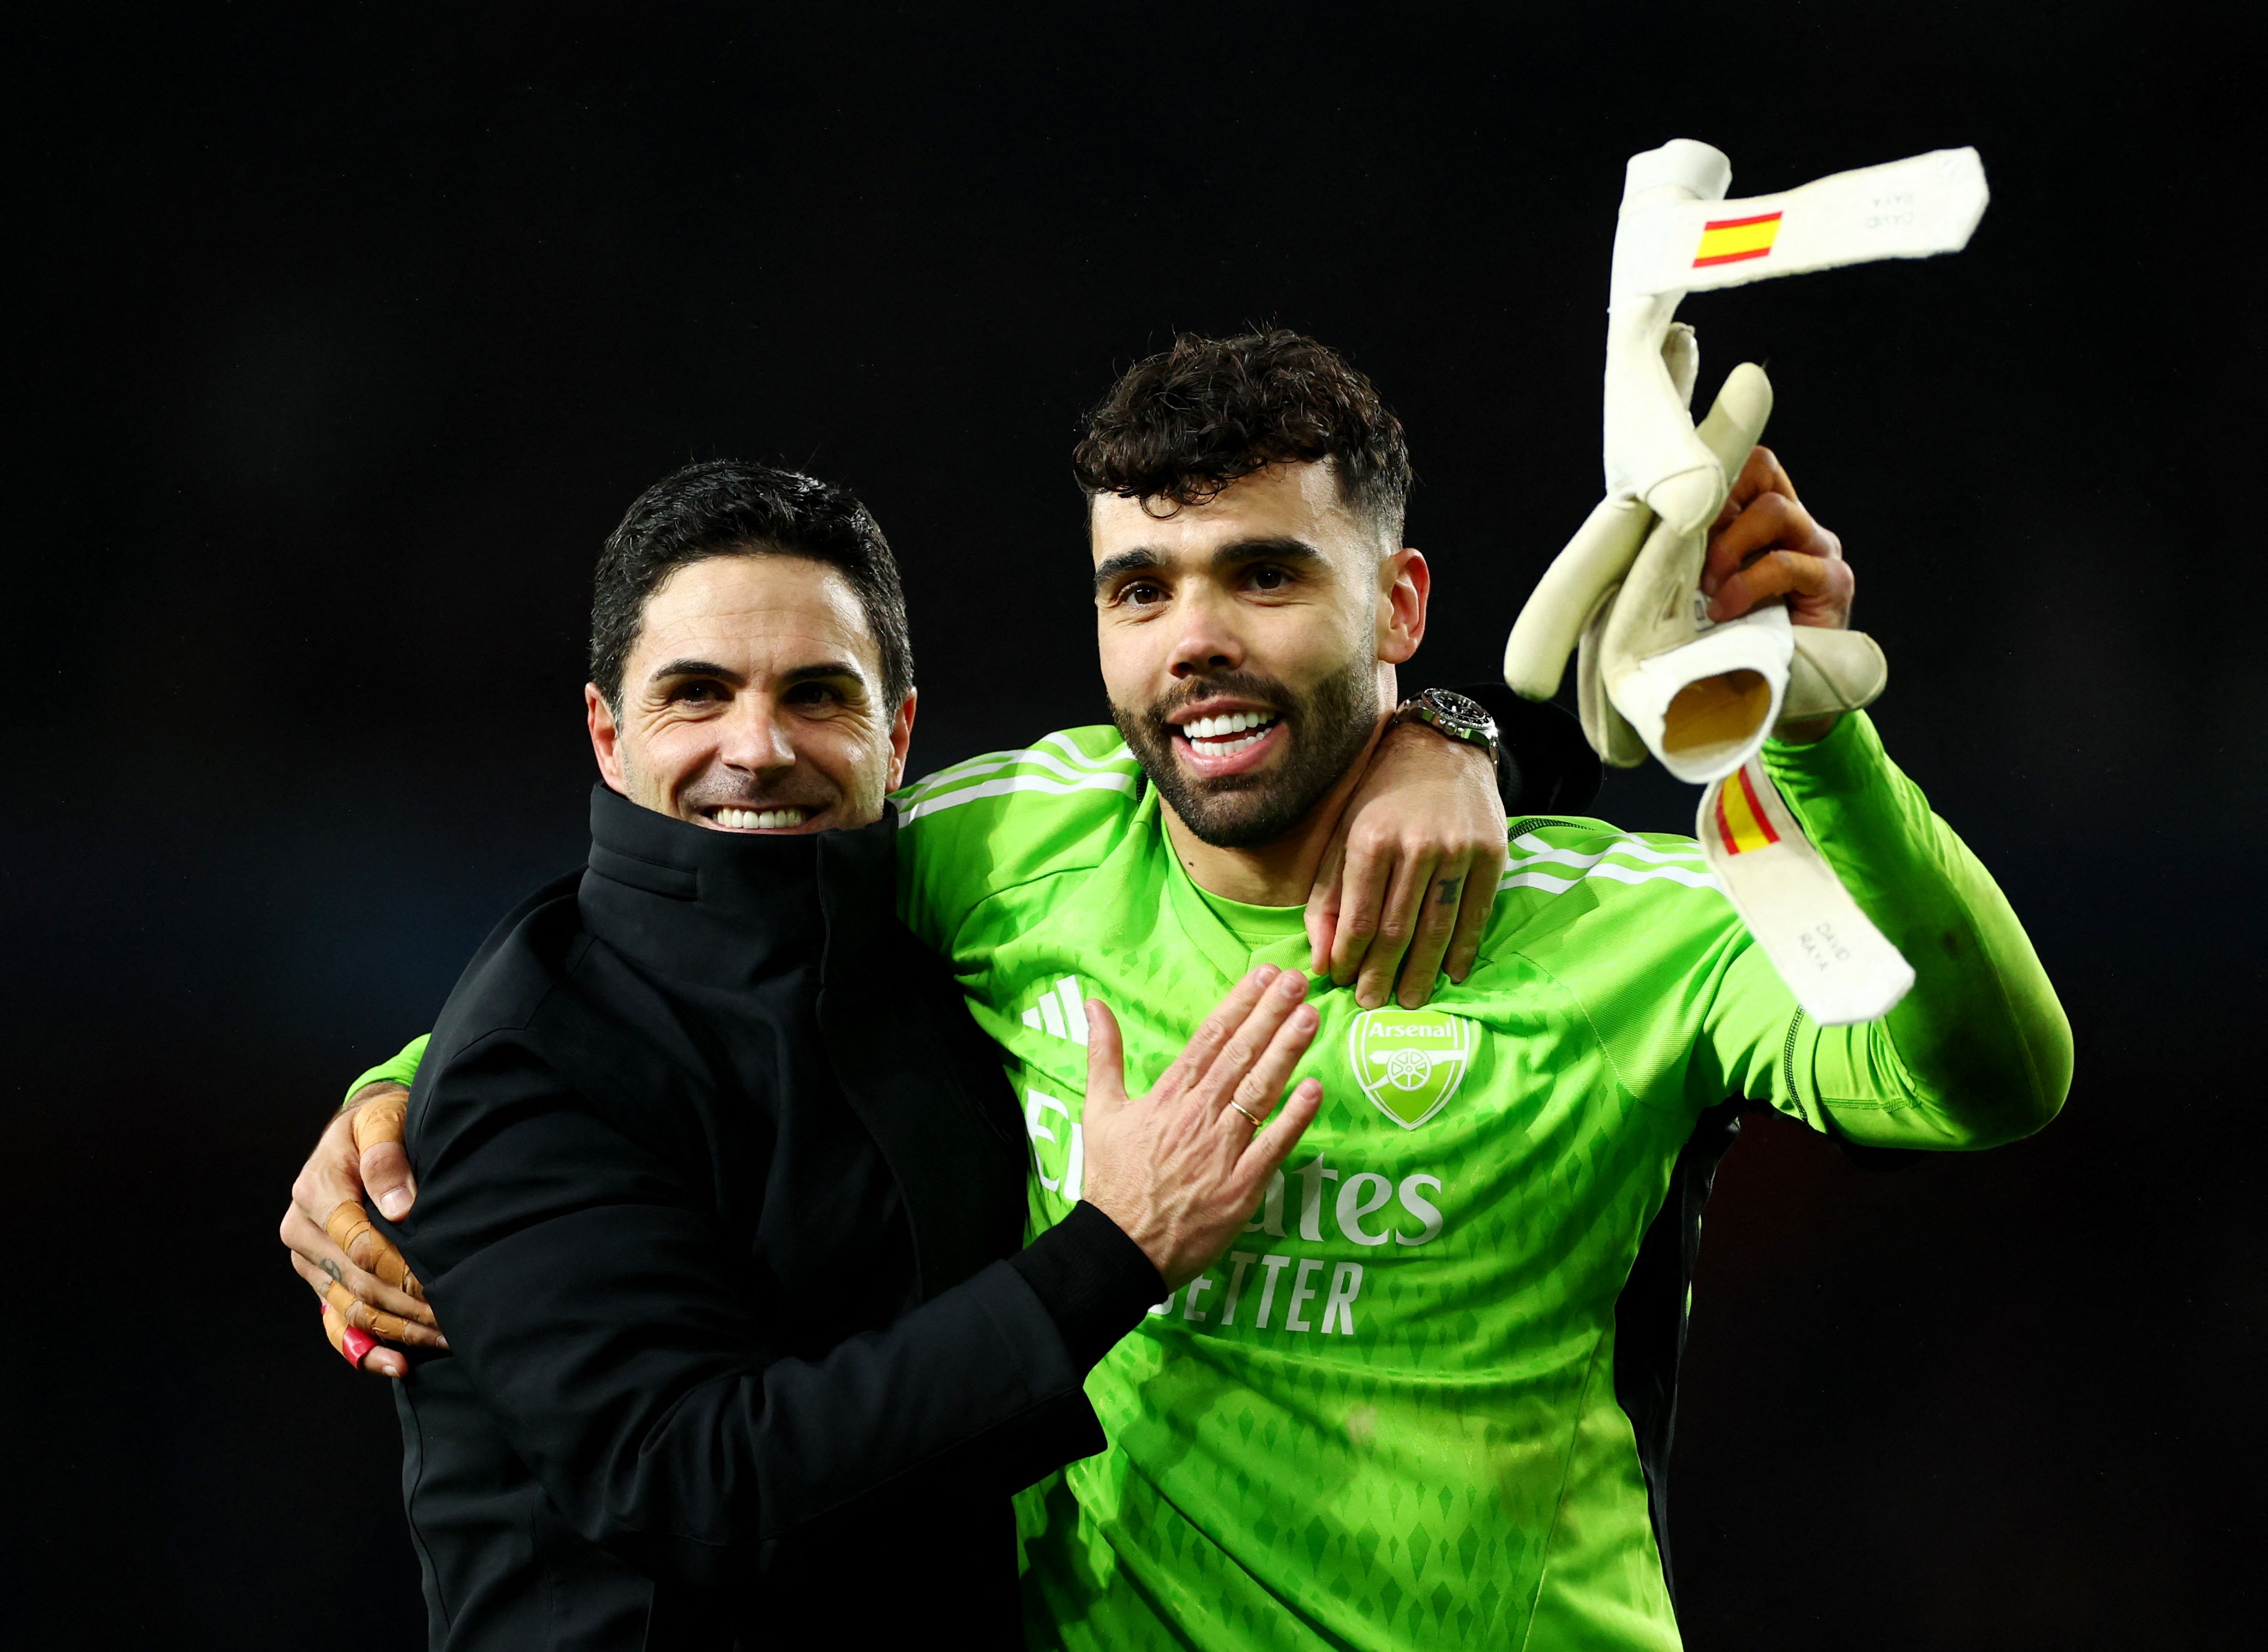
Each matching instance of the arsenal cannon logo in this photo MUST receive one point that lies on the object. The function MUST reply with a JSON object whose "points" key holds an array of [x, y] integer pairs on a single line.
{"points": [[1410, 1061]]}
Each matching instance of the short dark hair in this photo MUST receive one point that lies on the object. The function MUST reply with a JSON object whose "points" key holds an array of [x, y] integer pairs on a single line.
{"points": [[722, 507], [1182, 425]]}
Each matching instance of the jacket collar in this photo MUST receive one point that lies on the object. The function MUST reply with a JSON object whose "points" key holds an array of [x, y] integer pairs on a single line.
{"points": [[731, 909]]}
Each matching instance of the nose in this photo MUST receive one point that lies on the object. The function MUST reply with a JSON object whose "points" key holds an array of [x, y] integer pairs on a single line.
{"points": [[756, 738], [1204, 641]]}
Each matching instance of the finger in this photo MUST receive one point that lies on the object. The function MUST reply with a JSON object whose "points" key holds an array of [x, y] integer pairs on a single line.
{"points": [[360, 1350], [352, 1344], [1440, 903], [1474, 910], [380, 1126], [390, 1327], [387, 1327], [318, 1282], [1270, 1147], [1760, 474], [325, 1273], [1816, 581], [1106, 1060], [370, 1250], [323, 1286], [333, 1172], [1363, 880], [1197, 1056], [305, 1240], [1323, 914], [1258, 1091], [1397, 923], [1248, 1043], [314, 1247], [1772, 523]]}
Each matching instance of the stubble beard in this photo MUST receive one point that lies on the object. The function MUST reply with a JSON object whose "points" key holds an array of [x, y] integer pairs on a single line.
{"points": [[1328, 726]]}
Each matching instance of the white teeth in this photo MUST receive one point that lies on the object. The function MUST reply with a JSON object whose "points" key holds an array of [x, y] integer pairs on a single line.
{"points": [[759, 820], [1230, 723]]}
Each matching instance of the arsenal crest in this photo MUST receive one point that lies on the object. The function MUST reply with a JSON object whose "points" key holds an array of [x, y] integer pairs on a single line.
{"points": [[1410, 1061]]}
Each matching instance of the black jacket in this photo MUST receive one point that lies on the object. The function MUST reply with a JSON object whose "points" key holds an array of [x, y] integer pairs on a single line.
{"points": [[719, 1198]]}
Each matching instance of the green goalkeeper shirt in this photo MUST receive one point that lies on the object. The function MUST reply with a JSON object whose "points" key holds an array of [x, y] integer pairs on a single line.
{"points": [[1389, 1417]]}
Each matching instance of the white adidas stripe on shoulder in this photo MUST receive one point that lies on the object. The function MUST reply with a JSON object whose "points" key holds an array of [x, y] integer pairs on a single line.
{"points": [[1656, 866], [1538, 851], [1109, 780], [1077, 766], [1062, 740], [975, 766], [1557, 885]]}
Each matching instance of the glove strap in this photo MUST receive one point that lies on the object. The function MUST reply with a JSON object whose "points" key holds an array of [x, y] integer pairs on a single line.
{"points": [[1840, 966]]}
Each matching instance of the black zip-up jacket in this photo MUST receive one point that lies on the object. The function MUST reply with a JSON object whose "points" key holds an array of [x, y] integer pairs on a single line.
{"points": [[720, 1193]]}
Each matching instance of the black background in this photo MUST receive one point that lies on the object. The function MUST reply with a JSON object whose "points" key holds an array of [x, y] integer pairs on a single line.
{"points": [[343, 335]]}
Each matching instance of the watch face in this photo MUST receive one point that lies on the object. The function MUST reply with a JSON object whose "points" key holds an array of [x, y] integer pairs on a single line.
{"points": [[1462, 708]]}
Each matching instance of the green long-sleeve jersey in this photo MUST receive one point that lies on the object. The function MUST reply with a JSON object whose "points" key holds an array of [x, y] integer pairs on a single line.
{"points": [[1388, 1417], [1392, 1415]]}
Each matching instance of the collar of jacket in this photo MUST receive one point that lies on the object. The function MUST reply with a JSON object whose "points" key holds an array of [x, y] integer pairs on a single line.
{"points": [[731, 909]]}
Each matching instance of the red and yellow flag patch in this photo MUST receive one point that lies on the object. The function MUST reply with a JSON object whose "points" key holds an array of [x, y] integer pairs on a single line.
{"points": [[1729, 240], [1741, 823]]}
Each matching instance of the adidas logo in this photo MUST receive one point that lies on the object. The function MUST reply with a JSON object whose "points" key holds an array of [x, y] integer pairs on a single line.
{"points": [[1060, 1012]]}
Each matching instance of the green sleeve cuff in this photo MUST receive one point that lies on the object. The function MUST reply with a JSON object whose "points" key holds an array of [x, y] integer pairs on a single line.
{"points": [[1849, 754], [402, 1069]]}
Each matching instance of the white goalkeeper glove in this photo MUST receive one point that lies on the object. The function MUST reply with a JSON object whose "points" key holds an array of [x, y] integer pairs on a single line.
{"points": [[1654, 672]]}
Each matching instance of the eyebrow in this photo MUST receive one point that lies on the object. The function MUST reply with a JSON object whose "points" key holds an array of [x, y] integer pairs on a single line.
{"points": [[825, 668], [693, 669], [801, 674], [1277, 548]]}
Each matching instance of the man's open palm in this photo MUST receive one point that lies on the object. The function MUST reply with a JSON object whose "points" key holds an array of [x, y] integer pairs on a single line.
{"points": [[1182, 1169]]}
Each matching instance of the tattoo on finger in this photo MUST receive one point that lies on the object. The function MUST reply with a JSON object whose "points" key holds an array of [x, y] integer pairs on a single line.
{"points": [[1450, 888], [332, 1268]]}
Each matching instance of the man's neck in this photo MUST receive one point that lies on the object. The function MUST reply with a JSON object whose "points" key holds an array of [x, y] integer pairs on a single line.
{"points": [[1281, 870]]}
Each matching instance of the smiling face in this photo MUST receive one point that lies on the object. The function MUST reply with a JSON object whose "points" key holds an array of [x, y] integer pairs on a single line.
{"points": [[1248, 643], [751, 701]]}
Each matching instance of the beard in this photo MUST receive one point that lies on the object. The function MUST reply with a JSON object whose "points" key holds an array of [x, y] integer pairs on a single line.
{"points": [[1327, 728]]}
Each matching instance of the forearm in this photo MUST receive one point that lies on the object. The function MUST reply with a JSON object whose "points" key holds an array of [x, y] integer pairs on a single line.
{"points": [[1979, 1051], [672, 1407], [1544, 763], [687, 1448]]}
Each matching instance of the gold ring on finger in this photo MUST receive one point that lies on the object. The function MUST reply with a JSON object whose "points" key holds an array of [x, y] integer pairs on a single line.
{"points": [[1241, 1108]]}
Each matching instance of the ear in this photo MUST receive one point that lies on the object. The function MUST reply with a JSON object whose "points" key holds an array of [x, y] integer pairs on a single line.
{"points": [[606, 740], [901, 739], [1404, 585]]}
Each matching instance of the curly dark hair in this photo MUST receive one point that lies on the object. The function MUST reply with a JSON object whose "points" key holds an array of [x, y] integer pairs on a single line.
{"points": [[722, 507], [1182, 425]]}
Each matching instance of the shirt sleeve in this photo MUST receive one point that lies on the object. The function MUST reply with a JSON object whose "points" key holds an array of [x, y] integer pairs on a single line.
{"points": [[1978, 1053], [402, 1069]]}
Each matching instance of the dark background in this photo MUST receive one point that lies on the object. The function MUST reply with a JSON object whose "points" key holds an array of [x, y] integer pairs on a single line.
{"points": [[342, 340]]}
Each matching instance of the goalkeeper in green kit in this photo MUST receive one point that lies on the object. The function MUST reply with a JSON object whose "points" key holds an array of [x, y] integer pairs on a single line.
{"points": [[1426, 1400]]}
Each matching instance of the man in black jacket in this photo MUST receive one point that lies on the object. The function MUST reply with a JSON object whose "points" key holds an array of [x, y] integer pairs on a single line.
{"points": [[720, 1190]]}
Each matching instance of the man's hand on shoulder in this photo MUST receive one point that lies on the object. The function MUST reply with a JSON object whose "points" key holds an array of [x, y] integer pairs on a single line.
{"points": [[1406, 885], [1765, 545], [367, 1288]]}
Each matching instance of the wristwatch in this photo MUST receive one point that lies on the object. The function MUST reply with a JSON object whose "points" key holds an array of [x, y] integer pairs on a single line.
{"points": [[1458, 716]]}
